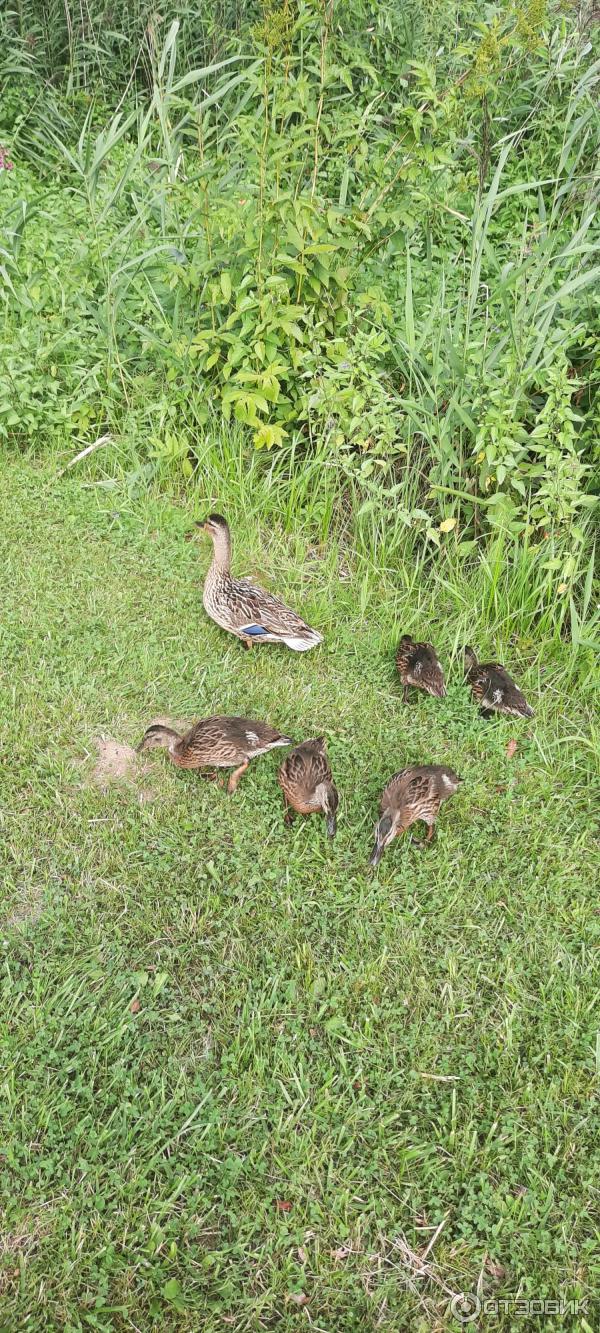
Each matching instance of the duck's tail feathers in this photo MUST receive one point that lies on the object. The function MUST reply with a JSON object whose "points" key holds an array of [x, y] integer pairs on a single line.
{"points": [[300, 643]]}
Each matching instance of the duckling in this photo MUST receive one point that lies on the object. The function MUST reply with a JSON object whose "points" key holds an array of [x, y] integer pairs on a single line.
{"points": [[493, 689], [306, 781], [216, 742], [414, 793], [245, 609], [419, 665]]}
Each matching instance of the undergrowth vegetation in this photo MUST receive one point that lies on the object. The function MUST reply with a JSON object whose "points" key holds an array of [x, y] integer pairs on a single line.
{"points": [[357, 234]]}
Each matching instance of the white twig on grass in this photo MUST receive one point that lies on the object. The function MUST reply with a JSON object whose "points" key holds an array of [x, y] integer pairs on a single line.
{"points": [[89, 449]]}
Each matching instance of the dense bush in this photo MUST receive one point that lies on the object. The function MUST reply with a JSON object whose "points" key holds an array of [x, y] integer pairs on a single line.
{"points": [[369, 231]]}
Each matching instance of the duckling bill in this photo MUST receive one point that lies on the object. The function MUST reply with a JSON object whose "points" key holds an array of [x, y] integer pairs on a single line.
{"points": [[493, 689], [307, 784], [245, 609], [216, 742], [419, 665], [414, 794]]}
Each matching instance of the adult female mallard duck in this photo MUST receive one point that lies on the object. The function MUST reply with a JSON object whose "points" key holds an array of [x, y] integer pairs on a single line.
{"points": [[493, 689], [245, 609], [306, 781], [216, 742], [418, 664], [414, 793]]}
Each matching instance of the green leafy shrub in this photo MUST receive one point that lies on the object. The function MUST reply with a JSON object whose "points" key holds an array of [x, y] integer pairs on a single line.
{"points": [[348, 236], [278, 341], [561, 472]]}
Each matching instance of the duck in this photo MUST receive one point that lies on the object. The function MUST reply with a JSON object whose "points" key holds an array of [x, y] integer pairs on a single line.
{"points": [[216, 742], [307, 784], [415, 793], [493, 689], [242, 607], [419, 665]]}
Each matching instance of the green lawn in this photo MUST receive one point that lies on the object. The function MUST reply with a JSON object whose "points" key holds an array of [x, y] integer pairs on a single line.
{"points": [[207, 1016]]}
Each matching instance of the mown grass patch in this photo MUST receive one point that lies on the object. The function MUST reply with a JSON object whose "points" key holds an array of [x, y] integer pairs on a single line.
{"points": [[209, 1017]]}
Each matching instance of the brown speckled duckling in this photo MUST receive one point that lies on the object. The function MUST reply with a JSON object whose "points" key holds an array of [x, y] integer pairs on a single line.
{"points": [[419, 665], [307, 784], [414, 793], [216, 742], [493, 689]]}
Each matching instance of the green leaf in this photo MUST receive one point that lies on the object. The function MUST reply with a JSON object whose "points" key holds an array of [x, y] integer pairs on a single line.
{"points": [[293, 235], [226, 286]]}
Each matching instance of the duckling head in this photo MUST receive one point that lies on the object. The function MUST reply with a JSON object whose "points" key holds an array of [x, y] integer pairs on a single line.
{"points": [[158, 737], [388, 828], [328, 799]]}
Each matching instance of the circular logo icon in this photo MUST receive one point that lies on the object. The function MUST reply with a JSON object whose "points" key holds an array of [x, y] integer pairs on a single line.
{"points": [[465, 1307]]}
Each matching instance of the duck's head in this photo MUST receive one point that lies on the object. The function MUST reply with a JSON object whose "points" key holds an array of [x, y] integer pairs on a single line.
{"points": [[389, 827], [435, 683], [215, 525], [158, 737], [218, 530], [328, 799], [470, 657]]}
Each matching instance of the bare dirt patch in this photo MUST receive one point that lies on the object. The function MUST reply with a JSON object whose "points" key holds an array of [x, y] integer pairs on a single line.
{"points": [[115, 763]]}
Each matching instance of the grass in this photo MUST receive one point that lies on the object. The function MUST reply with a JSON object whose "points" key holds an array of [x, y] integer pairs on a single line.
{"points": [[241, 1070]]}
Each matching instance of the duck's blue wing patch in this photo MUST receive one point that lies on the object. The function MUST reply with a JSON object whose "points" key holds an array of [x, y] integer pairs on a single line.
{"points": [[253, 631]]}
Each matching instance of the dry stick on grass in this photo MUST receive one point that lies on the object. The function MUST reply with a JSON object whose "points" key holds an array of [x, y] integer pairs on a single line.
{"points": [[415, 1267], [90, 449], [441, 1078], [416, 1263]]}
